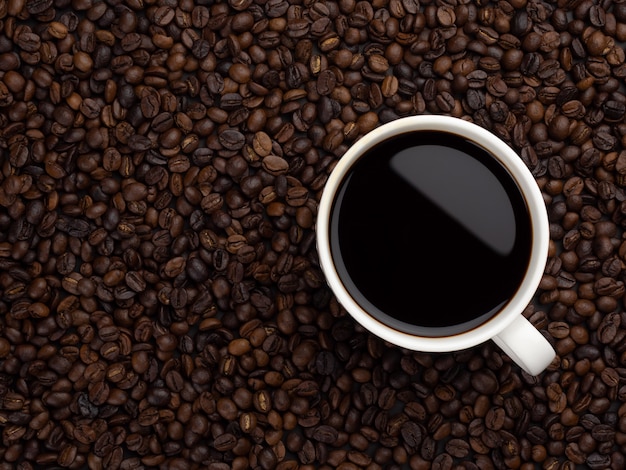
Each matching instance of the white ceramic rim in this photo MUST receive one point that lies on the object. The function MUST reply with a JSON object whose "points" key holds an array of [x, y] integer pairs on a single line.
{"points": [[537, 210]]}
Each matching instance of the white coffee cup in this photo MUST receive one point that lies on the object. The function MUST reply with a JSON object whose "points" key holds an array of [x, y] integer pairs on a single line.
{"points": [[508, 328]]}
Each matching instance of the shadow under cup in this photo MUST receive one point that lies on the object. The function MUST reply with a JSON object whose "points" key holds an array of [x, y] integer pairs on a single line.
{"points": [[430, 233]]}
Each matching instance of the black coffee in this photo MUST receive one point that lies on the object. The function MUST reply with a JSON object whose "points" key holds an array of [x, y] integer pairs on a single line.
{"points": [[431, 230]]}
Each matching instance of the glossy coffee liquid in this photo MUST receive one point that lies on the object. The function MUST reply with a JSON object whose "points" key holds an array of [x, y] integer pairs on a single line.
{"points": [[430, 234]]}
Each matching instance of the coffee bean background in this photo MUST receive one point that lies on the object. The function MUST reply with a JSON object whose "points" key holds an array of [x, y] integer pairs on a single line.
{"points": [[161, 300]]}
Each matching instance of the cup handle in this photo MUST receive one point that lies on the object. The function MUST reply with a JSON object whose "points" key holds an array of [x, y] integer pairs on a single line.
{"points": [[523, 343]]}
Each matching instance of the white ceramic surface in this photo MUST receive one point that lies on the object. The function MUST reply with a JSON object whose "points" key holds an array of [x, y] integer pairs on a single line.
{"points": [[508, 328]]}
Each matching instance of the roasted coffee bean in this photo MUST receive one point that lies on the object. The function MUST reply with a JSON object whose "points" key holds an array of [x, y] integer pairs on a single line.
{"points": [[325, 363], [225, 442], [325, 434]]}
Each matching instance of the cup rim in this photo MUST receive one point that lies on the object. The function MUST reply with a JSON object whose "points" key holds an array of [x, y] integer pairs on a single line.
{"points": [[536, 208]]}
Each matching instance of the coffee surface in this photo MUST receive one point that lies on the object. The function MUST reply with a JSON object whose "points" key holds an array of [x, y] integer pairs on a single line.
{"points": [[430, 233]]}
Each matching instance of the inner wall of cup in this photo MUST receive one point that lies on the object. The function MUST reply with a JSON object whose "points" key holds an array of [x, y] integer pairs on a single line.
{"points": [[485, 326]]}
